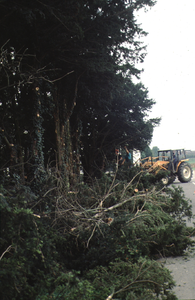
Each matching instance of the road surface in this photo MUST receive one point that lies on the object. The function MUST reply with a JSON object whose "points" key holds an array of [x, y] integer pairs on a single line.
{"points": [[189, 190], [183, 268]]}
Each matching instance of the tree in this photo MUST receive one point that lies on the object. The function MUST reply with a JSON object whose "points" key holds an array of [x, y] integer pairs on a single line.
{"points": [[74, 62], [147, 152], [155, 150], [109, 125]]}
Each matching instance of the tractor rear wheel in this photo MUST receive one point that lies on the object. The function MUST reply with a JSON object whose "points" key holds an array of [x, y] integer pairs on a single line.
{"points": [[184, 172]]}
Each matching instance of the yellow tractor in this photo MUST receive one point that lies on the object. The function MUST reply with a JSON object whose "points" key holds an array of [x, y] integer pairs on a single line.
{"points": [[172, 161]]}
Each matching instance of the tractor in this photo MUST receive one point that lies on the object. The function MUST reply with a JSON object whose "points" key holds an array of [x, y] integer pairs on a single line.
{"points": [[172, 161]]}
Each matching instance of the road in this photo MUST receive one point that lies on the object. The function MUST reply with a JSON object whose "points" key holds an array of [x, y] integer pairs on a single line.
{"points": [[183, 268], [189, 190]]}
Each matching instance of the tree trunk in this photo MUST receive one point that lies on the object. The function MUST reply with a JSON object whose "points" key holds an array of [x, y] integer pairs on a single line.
{"points": [[37, 171]]}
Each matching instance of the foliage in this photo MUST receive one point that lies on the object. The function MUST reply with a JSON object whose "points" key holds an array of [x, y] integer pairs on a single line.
{"points": [[177, 206], [123, 121], [114, 281], [98, 239], [66, 88], [30, 262], [67, 97], [155, 150], [144, 180], [146, 152]]}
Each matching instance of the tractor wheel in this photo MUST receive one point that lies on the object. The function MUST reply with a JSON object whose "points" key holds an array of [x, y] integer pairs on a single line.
{"points": [[168, 180], [184, 172], [165, 180]]}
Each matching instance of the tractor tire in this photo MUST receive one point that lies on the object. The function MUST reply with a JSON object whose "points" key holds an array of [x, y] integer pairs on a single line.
{"points": [[165, 180], [168, 180], [184, 172]]}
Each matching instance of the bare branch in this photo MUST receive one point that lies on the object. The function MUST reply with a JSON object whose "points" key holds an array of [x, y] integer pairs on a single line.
{"points": [[91, 236], [7, 250]]}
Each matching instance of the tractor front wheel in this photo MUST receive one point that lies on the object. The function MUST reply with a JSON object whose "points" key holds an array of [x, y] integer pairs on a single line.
{"points": [[168, 180], [184, 172], [165, 180]]}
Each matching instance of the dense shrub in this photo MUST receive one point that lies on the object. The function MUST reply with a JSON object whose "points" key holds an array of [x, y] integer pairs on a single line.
{"points": [[30, 262]]}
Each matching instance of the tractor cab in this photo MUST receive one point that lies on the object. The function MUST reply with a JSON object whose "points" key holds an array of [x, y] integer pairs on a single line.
{"points": [[175, 158]]}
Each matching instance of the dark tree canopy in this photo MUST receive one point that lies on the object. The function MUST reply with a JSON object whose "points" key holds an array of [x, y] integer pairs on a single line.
{"points": [[67, 91]]}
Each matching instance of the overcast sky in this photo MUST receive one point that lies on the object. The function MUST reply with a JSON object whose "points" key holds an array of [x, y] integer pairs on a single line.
{"points": [[169, 69]]}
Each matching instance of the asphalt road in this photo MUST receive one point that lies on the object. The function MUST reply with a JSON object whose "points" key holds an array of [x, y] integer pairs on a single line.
{"points": [[189, 190], [183, 268]]}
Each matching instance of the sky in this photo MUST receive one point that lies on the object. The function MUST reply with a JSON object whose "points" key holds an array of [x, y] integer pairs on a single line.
{"points": [[169, 71]]}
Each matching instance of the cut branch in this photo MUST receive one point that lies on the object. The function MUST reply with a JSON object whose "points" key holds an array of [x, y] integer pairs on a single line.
{"points": [[7, 250]]}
